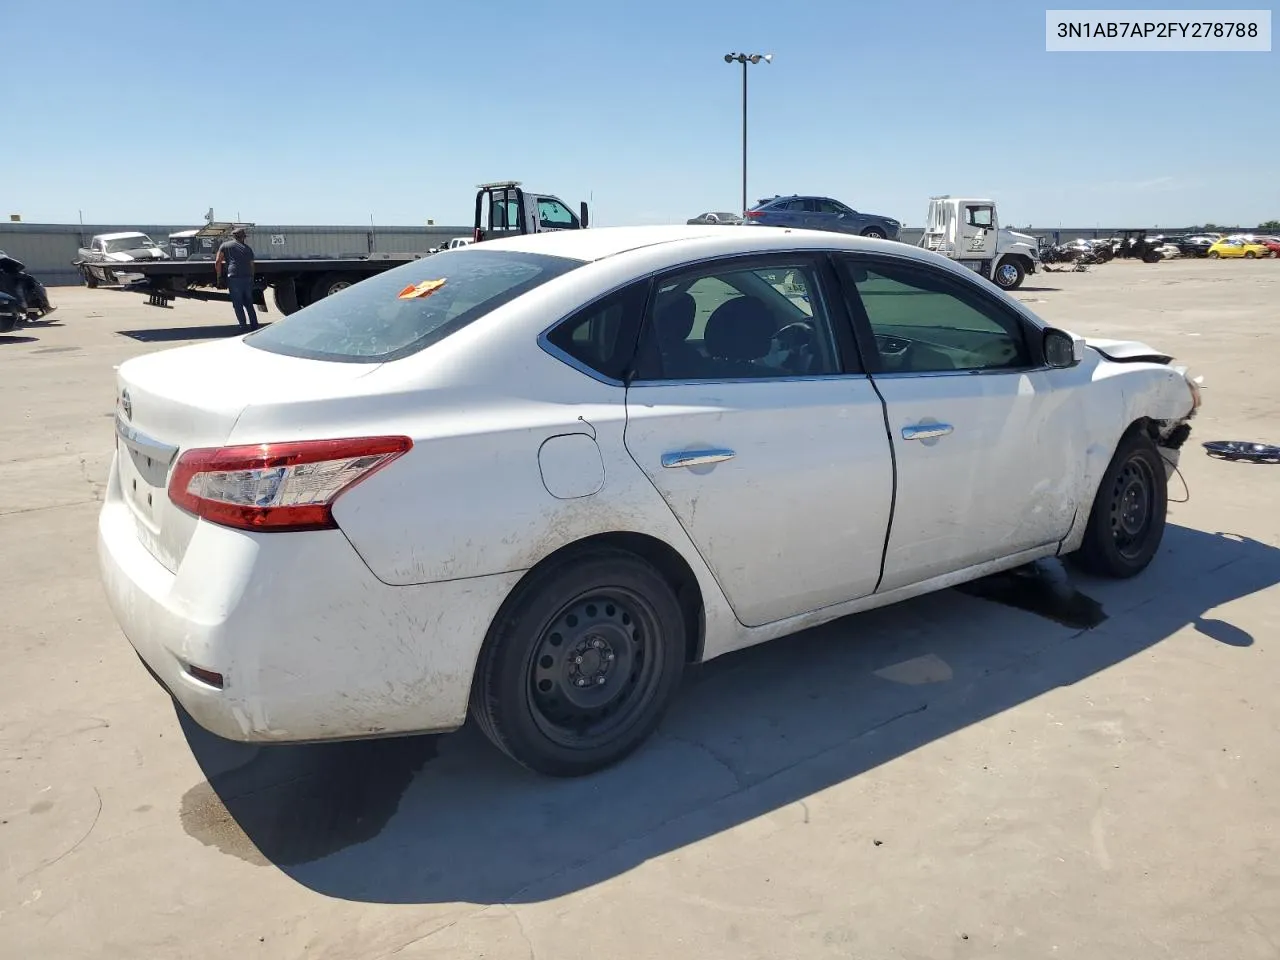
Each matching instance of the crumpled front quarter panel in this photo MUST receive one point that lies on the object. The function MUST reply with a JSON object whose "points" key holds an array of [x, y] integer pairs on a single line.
{"points": [[1110, 398]]}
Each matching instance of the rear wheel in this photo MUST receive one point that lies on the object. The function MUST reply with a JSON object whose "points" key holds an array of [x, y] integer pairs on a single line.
{"points": [[581, 663], [1127, 521], [1212, 254], [874, 233], [285, 294], [328, 285]]}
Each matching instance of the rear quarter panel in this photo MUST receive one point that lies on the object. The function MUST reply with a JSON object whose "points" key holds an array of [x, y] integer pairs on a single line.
{"points": [[469, 499]]}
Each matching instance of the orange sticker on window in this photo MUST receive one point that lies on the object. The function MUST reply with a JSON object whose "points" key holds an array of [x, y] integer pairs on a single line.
{"points": [[423, 289]]}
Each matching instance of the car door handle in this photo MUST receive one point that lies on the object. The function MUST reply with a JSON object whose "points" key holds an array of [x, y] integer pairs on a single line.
{"points": [[926, 431], [695, 458]]}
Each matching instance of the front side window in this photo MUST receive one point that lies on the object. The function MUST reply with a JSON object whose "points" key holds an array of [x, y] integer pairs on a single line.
{"points": [[978, 216], [925, 321], [553, 214], [732, 322], [397, 313]]}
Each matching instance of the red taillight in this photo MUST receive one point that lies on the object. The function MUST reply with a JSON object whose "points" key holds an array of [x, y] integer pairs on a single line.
{"points": [[277, 486], [754, 214], [477, 235]]}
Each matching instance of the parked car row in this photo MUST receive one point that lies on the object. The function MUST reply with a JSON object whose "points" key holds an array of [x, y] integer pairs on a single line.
{"points": [[1152, 249], [808, 213]]}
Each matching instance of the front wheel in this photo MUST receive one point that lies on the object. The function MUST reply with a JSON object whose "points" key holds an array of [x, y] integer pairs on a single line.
{"points": [[1212, 254], [1250, 255], [1009, 275], [90, 280], [874, 233], [581, 663], [1127, 521]]}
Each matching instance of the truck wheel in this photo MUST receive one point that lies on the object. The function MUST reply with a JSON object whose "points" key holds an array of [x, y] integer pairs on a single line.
{"points": [[328, 285], [1009, 274], [1127, 521], [90, 280], [285, 294], [873, 233]]}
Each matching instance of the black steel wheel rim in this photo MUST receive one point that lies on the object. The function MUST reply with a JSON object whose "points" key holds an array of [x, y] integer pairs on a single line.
{"points": [[595, 668], [1133, 506]]}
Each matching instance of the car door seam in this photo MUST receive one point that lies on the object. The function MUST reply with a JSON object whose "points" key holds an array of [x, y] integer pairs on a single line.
{"points": [[893, 489]]}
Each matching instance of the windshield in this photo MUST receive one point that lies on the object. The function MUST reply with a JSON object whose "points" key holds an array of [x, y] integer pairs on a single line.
{"points": [[121, 244], [402, 311]]}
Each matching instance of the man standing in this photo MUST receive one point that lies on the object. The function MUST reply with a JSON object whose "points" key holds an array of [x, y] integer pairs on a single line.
{"points": [[235, 262]]}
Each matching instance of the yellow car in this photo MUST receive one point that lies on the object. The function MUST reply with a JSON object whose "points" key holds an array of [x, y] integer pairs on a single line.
{"points": [[1238, 248]]}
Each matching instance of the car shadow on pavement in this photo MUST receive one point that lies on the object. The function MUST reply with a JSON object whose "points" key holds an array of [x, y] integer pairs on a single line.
{"points": [[175, 334], [12, 338], [443, 819]]}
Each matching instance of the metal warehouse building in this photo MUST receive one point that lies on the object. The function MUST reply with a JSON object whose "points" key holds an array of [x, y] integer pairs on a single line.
{"points": [[48, 249]]}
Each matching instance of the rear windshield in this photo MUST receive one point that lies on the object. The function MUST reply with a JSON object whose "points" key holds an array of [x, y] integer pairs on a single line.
{"points": [[397, 313]]}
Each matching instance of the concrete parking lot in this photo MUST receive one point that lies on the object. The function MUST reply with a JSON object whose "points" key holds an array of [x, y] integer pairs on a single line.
{"points": [[955, 777]]}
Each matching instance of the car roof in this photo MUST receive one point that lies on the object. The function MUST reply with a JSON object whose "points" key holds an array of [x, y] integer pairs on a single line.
{"points": [[689, 242], [121, 236], [599, 242]]}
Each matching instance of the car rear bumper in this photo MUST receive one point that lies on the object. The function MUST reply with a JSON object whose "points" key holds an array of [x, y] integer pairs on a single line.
{"points": [[308, 643]]}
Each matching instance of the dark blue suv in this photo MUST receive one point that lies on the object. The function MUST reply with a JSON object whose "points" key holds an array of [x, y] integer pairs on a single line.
{"points": [[821, 213]]}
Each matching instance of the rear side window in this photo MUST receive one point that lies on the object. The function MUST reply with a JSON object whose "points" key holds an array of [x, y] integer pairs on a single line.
{"points": [[602, 336], [379, 319]]}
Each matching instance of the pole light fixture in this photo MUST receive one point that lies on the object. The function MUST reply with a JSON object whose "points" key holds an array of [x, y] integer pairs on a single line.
{"points": [[745, 59]]}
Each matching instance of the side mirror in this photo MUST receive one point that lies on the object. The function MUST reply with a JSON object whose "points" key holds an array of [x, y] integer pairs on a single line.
{"points": [[1061, 349], [582, 214]]}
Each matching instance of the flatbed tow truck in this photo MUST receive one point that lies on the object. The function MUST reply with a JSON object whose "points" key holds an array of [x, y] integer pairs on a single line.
{"points": [[502, 209]]}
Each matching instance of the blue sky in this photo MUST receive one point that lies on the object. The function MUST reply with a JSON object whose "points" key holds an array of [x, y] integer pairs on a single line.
{"points": [[332, 112]]}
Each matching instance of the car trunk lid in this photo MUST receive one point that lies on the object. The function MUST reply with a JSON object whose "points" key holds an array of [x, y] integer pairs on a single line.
{"points": [[177, 400]]}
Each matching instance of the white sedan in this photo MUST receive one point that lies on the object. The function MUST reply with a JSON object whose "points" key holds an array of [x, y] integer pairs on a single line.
{"points": [[533, 478]]}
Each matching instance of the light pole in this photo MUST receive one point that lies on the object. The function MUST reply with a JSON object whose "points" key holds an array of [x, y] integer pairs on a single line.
{"points": [[744, 59]]}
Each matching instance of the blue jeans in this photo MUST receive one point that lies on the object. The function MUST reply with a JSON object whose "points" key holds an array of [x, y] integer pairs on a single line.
{"points": [[241, 290]]}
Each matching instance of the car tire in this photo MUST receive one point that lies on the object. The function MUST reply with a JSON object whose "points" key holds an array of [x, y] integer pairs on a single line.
{"points": [[1009, 274], [1250, 255], [90, 280], [8, 321], [580, 663], [1126, 523], [328, 285], [874, 233], [1212, 254]]}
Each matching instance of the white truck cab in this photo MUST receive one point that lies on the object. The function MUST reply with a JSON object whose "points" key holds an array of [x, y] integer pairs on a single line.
{"points": [[505, 209], [968, 231]]}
